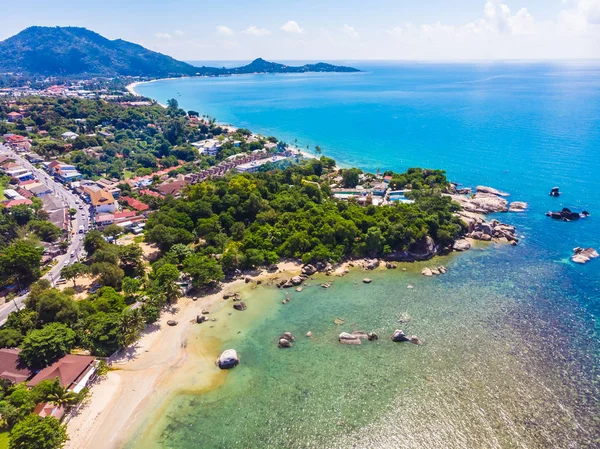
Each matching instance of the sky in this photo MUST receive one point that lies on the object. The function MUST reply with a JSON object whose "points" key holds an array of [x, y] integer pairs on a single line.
{"points": [[196, 30]]}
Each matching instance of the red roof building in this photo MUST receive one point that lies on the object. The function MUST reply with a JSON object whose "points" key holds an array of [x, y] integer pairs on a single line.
{"points": [[135, 204], [12, 367], [13, 203], [151, 193], [72, 371]]}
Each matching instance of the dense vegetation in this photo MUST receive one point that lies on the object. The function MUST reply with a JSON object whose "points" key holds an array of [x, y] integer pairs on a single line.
{"points": [[139, 141], [245, 221], [72, 51]]}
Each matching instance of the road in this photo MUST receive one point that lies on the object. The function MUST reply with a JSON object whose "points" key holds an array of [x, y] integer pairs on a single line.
{"points": [[69, 200]]}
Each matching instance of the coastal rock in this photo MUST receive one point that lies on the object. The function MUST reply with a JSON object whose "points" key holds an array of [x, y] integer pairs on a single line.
{"points": [[555, 192], [326, 285], [372, 336], [309, 334], [567, 215], [247, 279], [367, 280], [309, 270], [518, 206], [287, 284], [348, 339], [296, 280], [283, 343], [240, 306], [582, 256], [490, 190], [391, 266], [372, 264], [287, 336], [299, 289], [415, 340], [399, 336], [172, 323], [360, 334], [228, 359], [200, 319], [426, 272]]}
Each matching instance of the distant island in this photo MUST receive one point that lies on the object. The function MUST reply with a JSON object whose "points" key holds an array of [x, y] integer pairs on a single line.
{"points": [[79, 53]]}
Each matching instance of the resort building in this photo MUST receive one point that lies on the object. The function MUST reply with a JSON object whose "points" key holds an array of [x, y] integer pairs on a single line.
{"points": [[101, 200], [12, 367]]}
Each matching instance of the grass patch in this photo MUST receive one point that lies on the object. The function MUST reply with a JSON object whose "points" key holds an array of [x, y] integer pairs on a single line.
{"points": [[136, 239], [126, 174]]}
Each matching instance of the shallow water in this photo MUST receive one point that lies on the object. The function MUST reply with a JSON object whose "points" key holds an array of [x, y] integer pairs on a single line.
{"points": [[511, 345]]}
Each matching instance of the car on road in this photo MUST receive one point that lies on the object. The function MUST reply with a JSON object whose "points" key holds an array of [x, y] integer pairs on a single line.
{"points": [[61, 281], [72, 255]]}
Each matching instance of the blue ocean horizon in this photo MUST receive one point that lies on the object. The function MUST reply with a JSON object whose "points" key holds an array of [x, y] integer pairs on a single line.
{"points": [[517, 126]]}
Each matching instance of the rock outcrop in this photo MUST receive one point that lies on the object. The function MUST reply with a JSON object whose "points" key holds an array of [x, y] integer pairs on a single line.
{"points": [[399, 336], [241, 306], [172, 323], [461, 245], [490, 190], [228, 359], [349, 339], [583, 255], [567, 215], [367, 280], [283, 343], [518, 206]]}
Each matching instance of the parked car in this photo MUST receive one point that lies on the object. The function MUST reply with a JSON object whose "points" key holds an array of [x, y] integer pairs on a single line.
{"points": [[61, 281]]}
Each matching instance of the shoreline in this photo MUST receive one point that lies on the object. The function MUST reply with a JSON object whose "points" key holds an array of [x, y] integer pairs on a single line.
{"points": [[131, 89], [141, 378]]}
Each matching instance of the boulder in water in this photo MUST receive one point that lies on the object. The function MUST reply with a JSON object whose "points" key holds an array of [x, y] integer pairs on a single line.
{"points": [[372, 336], [228, 359], [399, 336], [426, 272], [284, 343], [415, 340], [518, 206], [348, 339], [172, 323], [287, 336], [583, 255], [461, 245], [367, 280], [240, 306]]}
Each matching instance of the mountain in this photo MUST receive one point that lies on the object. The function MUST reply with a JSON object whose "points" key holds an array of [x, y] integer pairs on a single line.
{"points": [[78, 52], [73, 51]]}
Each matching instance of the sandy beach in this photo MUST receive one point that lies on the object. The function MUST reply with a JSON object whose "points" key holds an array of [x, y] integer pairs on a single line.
{"points": [[146, 374]]}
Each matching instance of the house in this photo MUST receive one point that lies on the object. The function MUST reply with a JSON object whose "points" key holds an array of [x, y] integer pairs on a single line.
{"points": [[33, 158], [14, 116], [208, 147], [69, 135], [74, 372], [39, 189], [49, 409], [171, 188], [68, 176], [12, 367], [12, 194], [104, 219], [12, 203], [151, 193], [135, 204], [101, 200], [379, 188]]}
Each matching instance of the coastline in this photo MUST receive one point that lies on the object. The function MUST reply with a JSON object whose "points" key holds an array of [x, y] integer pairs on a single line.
{"points": [[131, 89], [142, 377]]}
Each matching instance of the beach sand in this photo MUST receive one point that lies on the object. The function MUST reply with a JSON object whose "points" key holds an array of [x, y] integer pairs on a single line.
{"points": [[146, 374]]}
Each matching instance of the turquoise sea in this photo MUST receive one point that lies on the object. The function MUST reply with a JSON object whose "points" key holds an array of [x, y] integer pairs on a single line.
{"points": [[511, 340]]}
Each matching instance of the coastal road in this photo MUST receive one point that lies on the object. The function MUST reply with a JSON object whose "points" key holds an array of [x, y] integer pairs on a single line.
{"points": [[69, 200]]}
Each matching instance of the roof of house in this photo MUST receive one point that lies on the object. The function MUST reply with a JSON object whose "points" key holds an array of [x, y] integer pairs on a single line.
{"points": [[12, 203], [105, 217], [12, 367], [12, 114], [135, 204], [39, 189], [54, 163], [151, 193], [123, 214], [100, 197], [170, 188], [69, 370]]}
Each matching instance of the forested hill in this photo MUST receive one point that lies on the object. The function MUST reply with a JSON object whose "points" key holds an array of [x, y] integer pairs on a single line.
{"points": [[78, 52]]}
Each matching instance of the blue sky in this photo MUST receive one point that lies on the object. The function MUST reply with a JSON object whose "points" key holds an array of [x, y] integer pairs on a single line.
{"points": [[332, 29]]}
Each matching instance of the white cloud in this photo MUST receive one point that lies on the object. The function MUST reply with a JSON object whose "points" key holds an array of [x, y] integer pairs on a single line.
{"points": [[292, 27], [350, 32], [179, 33], [255, 31], [163, 35], [224, 30]]}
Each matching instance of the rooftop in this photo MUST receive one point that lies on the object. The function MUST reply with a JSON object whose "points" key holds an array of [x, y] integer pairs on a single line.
{"points": [[69, 370]]}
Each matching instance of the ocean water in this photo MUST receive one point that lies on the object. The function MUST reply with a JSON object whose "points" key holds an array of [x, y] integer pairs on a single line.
{"points": [[511, 344]]}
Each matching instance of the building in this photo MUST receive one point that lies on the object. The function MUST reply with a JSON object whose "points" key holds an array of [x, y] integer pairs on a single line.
{"points": [[74, 372], [102, 200], [14, 116], [69, 135], [208, 147], [171, 188], [12, 367], [12, 203], [135, 204], [254, 166]]}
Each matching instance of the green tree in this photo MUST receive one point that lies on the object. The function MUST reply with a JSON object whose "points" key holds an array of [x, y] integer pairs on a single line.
{"points": [[21, 261], [112, 231], [350, 177], [109, 274], [35, 432], [73, 271], [203, 270], [42, 346], [10, 338], [132, 325], [166, 277], [45, 230]]}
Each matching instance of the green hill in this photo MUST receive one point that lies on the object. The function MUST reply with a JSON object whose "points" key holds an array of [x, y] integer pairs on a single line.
{"points": [[78, 52]]}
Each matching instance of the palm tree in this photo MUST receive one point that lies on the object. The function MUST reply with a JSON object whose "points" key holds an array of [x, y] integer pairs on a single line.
{"points": [[132, 324], [63, 397]]}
